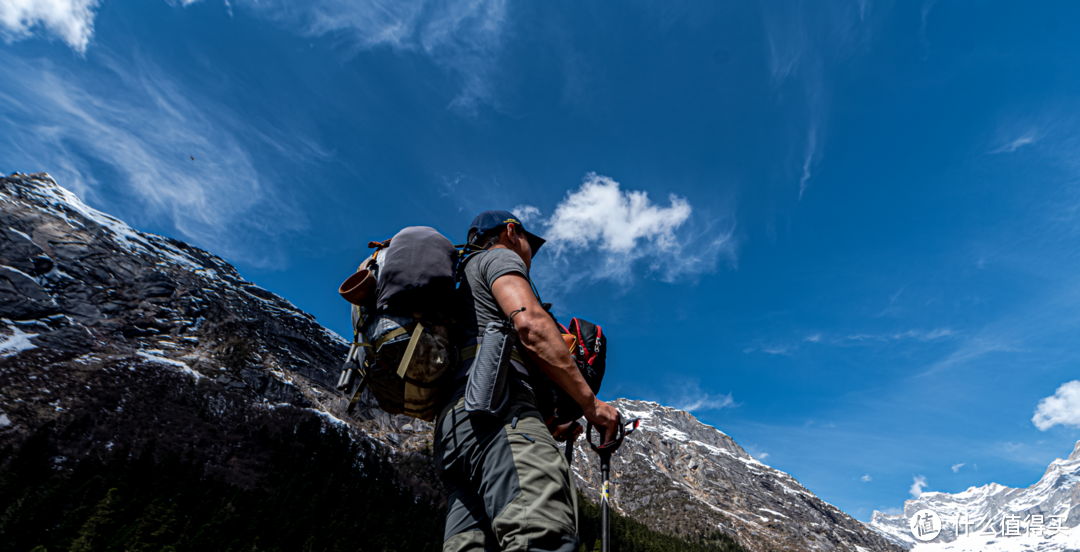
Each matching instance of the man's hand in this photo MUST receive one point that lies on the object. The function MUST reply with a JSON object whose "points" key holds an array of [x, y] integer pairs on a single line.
{"points": [[569, 431], [605, 418]]}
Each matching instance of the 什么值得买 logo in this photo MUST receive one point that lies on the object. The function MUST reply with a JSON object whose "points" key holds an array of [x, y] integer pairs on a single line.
{"points": [[926, 525]]}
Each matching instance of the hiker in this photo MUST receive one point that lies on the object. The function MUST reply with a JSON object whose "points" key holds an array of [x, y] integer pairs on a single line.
{"points": [[508, 488]]}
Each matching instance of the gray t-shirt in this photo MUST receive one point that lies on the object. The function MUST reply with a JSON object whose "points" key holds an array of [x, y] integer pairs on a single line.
{"points": [[481, 271]]}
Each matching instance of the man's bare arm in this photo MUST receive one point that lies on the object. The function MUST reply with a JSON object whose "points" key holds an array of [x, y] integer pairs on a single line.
{"points": [[544, 343]]}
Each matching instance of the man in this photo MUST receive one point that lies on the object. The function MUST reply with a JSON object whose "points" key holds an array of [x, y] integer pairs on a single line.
{"points": [[508, 486]]}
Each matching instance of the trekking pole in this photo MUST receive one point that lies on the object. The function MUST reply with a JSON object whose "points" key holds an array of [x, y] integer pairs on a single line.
{"points": [[571, 438], [605, 451]]}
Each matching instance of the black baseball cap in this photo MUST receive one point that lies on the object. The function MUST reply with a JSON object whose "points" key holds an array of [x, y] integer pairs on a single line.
{"points": [[489, 220]]}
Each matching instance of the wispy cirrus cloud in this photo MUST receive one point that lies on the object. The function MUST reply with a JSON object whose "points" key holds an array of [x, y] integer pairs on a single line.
{"points": [[853, 339], [780, 349], [924, 18], [464, 37], [919, 335], [801, 43], [132, 144], [956, 467], [689, 396], [69, 20], [1027, 138]]}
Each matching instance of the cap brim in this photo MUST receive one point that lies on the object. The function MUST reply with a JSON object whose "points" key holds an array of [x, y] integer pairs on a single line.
{"points": [[534, 242]]}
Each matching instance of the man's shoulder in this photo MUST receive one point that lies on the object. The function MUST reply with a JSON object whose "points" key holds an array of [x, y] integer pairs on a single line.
{"points": [[493, 263], [498, 257]]}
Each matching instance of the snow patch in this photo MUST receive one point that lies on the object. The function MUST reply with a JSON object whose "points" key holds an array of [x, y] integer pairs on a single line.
{"points": [[16, 342], [13, 269], [20, 233], [174, 363]]}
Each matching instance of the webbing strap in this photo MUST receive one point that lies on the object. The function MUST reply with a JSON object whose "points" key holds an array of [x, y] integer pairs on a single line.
{"points": [[404, 366], [389, 335], [469, 353]]}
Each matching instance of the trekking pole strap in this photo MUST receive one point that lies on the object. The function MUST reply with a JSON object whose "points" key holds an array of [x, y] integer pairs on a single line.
{"points": [[610, 447]]}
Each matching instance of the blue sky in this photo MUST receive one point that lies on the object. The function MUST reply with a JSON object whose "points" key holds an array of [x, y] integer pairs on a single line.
{"points": [[845, 233]]}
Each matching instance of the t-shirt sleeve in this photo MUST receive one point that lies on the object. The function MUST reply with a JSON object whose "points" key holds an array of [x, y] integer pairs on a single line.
{"points": [[500, 262]]}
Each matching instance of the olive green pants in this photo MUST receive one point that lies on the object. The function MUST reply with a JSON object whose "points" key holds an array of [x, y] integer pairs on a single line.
{"points": [[508, 485]]}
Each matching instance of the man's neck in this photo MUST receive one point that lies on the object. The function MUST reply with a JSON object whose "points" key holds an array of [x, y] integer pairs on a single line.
{"points": [[500, 245]]}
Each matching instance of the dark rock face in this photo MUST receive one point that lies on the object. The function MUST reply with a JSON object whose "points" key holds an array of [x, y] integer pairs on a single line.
{"points": [[130, 338], [147, 338]]}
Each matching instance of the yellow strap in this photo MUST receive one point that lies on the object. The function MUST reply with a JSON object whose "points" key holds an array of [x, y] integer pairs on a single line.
{"points": [[404, 366], [470, 352], [391, 335]]}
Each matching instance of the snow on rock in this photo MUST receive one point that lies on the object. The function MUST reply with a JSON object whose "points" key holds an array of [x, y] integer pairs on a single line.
{"points": [[16, 342], [1055, 494], [679, 475]]}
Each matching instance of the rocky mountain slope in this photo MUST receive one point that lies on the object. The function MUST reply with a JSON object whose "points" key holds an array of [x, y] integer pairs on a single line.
{"points": [[679, 475], [142, 338], [997, 518]]}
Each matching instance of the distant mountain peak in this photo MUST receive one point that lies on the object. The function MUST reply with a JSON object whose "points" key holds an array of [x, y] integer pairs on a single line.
{"points": [[1056, 493], [1075, 455]]}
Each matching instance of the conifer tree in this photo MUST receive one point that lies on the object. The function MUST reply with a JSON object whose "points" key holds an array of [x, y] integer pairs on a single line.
{"points": [[92, 533]]}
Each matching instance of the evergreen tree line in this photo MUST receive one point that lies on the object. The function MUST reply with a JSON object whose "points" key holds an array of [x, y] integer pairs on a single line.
{"points": [[630, 535], [320, 492]]}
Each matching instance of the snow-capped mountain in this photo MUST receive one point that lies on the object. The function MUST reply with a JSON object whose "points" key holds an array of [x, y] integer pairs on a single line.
{"points": [[679, 475], [135, 338], [995, 517]]}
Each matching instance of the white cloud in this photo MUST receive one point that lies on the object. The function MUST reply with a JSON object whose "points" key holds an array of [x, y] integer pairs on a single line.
{"points": [[813, 338], [866, 478], [133, 145], [810, 157], [1015, 144], [920, 335], [970, 350], [463, 37], [687, 395], [919, 481], [599, 212], [69, 20], [956, 467], [698, 402], [927, 6], [763, 456], [1062, 408], [776, 349], [625, 227], [527, 213]]}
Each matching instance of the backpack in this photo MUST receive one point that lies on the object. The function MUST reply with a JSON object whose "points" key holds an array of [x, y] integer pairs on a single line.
{"points": [[402, 305], [588, 346]]}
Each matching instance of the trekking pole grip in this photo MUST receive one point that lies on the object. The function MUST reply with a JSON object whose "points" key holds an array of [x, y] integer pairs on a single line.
{"points": [[610, 447]]}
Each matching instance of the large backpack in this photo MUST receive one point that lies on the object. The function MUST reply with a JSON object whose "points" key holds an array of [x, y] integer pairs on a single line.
{"points": [[403, 301], [588, 346]]}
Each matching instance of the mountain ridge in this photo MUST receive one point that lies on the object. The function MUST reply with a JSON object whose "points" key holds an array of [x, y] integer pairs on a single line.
{"points": [[154, 340], [1057, 492]]}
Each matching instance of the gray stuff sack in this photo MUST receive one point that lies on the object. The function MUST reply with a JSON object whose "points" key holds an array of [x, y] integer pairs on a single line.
{"points": [[487, 390]]}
